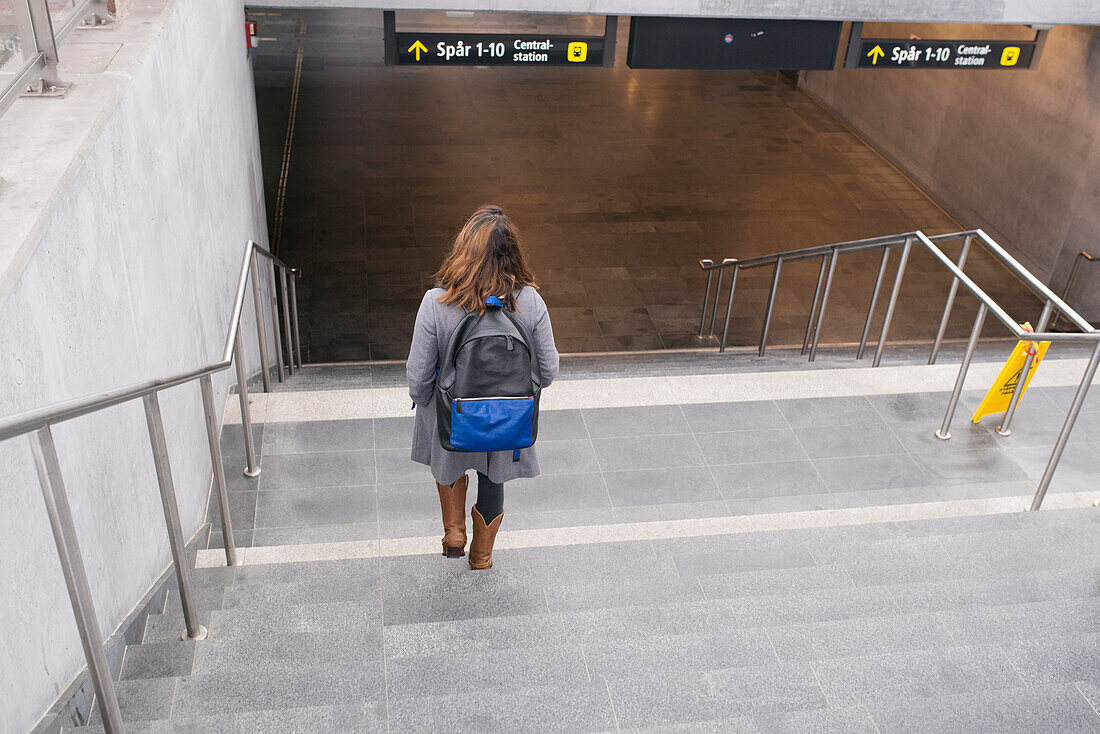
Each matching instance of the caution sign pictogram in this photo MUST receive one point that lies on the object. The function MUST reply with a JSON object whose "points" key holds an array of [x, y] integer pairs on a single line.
{"points": [[1000, 394]]}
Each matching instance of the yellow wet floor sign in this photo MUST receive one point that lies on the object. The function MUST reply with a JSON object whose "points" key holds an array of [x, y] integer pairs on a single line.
{"points": [[1000, 394]]}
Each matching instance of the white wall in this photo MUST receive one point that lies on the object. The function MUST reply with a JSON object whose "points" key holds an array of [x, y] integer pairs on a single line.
{"points": [[1013, 152], [132, 278]]}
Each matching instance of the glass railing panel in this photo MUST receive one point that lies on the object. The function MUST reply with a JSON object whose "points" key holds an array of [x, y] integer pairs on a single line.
{"points": [[62, 10], [16, 40]]}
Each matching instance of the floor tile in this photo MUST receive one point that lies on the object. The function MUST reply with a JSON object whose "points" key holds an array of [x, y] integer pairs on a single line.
{"points": [[768, 479], [839, 441], [823, 412], [317, 506], [567, 457], [740, 447], [1038, 709], [870, 472], [746, 416], [647, 452], [962, 467], [1055, 659], [661, 486], [639, 421], [552, 492], [850, 637], [925, 673], [318, 436], [328, 469]]}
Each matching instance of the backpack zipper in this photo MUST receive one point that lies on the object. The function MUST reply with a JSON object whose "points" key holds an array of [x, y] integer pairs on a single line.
{"points": [[458, 401]]}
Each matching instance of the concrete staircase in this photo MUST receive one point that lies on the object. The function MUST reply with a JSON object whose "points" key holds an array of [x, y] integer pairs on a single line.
{"points": [[787, 614], [968, 624]]}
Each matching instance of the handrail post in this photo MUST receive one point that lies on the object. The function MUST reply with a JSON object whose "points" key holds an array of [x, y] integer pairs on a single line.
{"points": [[261, 329], [717, 298], [213, 437], [194, 630], [289, 340], [824, 303], [813, 304], [893, 302], [1069, 281], [253, 468], [1005, 429], [944, 431], [76, 578], [275, 323], [874, 302], [771, 306], [729, 309], [1067, 427], [706, 298], [294, 315], [950, 302], [41, 25]]}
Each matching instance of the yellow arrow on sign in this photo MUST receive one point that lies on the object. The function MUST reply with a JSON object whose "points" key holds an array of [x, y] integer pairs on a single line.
{"points": [[876, 53], [418, 47]]}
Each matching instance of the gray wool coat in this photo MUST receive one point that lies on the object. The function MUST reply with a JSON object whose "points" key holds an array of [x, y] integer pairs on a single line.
{"points": [[434, 326]]}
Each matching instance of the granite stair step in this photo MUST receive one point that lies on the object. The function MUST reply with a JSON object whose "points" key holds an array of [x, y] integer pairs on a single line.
{"points": [[855, 628], [585, 707]]}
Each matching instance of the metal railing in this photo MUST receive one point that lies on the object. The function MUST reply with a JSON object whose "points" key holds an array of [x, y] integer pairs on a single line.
{"points": [[35, 39], [37, 424], [905, 241], [1081, 257]]}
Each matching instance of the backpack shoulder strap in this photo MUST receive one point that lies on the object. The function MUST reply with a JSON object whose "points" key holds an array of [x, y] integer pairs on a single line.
{"points": [[446, 376], [525, 333]]}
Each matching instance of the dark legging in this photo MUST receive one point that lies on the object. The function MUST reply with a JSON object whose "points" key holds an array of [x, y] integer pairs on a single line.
{"points": [[490, 498]]}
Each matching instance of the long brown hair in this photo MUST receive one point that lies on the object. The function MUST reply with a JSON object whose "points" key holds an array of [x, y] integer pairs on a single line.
{"points": [[485, 260]]}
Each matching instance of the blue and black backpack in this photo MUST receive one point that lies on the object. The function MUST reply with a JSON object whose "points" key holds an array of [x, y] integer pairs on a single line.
{"points": [[489, 384]]}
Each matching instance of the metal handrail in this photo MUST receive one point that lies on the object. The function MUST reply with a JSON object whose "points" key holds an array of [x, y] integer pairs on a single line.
{"points": [[904, 241], [37, 424], [829, 254], [60, 412], [1081, 257]]}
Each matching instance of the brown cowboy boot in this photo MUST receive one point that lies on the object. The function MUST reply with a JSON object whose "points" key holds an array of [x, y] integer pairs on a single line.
{"points": [[481, 547], [452, 500]]}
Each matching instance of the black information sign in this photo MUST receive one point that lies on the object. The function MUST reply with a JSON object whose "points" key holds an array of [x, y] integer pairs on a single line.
{"points": [[492, 49], [899, 54], [714, 43]]}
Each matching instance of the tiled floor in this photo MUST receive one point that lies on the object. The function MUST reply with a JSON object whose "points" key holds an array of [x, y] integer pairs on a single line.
{"points": [[353, 480], [619, 180]]}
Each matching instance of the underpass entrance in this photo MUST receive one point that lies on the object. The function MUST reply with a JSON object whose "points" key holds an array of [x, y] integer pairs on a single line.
{"points": [[620, 180]]}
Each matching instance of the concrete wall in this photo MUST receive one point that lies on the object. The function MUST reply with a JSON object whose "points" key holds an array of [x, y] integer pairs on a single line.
{"points": [[130, 275], [1015, 153], [986, 11]]}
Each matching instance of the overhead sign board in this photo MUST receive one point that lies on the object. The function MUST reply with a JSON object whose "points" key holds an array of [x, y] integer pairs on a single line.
{"points": [[715, 43], [880, 53], [492, 49]]}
